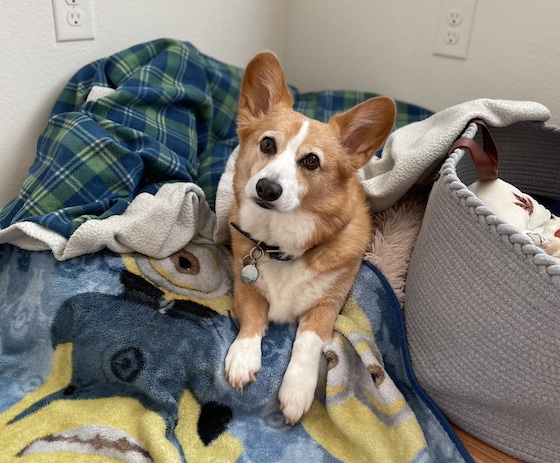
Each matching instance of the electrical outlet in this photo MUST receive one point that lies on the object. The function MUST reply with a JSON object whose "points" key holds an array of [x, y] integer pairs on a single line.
{"points": [[75, 17], [452, 36], [454, 29], [73, 20], [455, 16]]}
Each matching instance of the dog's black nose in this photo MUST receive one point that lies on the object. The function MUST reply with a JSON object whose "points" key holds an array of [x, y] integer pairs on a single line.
{"points": [[268, 189]]}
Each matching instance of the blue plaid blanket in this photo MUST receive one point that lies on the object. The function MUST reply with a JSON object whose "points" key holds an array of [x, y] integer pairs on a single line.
{"points": [[171, 118]]}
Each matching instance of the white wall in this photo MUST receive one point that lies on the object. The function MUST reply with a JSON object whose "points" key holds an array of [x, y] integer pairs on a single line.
{"points": [[384, 46], [387, 47], [34, 67]]}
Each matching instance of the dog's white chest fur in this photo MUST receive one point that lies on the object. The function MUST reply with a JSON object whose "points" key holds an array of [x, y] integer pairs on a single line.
{"points": [[291, 288], [290, 231]]}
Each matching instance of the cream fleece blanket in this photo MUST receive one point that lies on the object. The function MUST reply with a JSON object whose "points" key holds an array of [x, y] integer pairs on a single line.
{"points": [[154, 225], [159, 225], [417, 149]]}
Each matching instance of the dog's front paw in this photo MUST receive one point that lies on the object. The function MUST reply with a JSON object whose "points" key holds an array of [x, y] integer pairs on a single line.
{"points": [[243, 361], [296, 394]]}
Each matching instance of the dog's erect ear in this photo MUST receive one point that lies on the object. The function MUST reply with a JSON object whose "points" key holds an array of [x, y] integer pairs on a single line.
{"points": [[264, 86], [364, 128]]}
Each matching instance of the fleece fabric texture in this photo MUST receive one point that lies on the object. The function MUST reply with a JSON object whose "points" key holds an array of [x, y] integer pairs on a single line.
{"points": [[111, 356], [417, 150]]}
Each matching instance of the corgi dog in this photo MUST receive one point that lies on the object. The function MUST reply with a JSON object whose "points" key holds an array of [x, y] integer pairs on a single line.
{"points": [[300, 224]]}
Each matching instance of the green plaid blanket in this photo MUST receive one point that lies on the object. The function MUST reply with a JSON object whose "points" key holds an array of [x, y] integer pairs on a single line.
{"points": [[170, 118]]}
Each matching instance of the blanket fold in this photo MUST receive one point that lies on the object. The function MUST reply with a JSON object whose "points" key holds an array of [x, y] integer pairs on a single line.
{"points": [[170, 118], [178, 213], [419, 148]]}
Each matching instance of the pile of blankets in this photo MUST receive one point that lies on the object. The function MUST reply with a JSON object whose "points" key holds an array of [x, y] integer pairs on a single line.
{"points": [[116, 292]]}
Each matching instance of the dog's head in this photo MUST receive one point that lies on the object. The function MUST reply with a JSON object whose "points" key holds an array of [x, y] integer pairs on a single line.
{"points": [[288, 161]]}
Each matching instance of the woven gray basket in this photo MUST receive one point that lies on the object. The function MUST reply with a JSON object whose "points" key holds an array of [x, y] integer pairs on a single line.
{"points": [[483, 302]]}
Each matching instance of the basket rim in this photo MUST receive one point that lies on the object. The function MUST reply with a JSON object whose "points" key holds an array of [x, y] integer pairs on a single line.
{"points": [[521, 244]]}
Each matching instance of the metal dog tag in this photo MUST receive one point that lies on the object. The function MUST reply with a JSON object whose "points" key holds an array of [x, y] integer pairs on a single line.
{"points": [[249, 273]]}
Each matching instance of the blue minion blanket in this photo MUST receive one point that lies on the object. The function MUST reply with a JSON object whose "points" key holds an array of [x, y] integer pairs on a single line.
{"points": [[113, 351]]}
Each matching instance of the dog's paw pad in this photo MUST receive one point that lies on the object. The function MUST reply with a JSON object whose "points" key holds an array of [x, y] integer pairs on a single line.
{"points": [[243, 361]]}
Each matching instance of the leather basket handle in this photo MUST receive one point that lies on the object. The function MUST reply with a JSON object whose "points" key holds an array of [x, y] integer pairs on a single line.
{"points": [[485, 158]]}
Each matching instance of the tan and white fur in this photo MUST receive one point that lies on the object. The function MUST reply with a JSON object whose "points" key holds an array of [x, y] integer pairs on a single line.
{"points": [[295, 187]]}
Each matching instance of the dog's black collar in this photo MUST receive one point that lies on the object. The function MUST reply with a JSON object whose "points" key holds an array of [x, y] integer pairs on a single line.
{"points": [[272, 251]]}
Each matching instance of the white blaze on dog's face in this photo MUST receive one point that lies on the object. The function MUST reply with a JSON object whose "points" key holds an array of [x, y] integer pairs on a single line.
{"points": [[276, 186]]}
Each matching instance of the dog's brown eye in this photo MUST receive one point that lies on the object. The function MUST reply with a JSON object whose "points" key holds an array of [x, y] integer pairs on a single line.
{"points": [[268, 145], [310, 162]]}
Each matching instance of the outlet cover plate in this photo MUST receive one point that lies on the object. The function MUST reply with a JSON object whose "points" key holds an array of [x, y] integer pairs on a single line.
{"points": [[67, 29], [452, 36]]}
